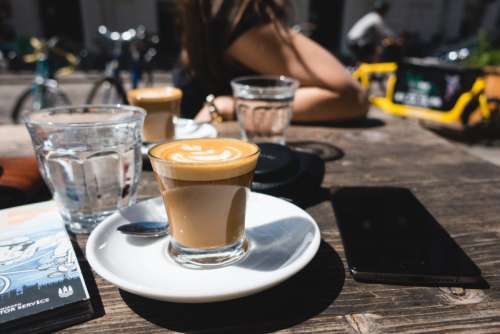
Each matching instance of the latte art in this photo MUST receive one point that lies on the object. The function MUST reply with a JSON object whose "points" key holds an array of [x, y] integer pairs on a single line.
{"points": [[196, 153], [204, 159]]}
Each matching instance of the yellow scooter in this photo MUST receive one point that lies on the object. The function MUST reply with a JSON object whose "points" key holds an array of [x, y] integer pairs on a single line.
{"points": [[444, 95]]}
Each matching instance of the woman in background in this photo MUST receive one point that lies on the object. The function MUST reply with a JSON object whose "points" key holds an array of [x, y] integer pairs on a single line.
{"points": [[225, 39]]}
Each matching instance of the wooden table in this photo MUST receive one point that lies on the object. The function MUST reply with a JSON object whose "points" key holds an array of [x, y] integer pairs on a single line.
{"points": [[462, 192]]}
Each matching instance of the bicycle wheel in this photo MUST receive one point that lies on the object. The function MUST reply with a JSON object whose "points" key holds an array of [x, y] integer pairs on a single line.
{"points": [[107, 91], [25, 103]]}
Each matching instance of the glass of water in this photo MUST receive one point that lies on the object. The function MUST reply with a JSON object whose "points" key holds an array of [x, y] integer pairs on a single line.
{"points": [[90, 157], [264, 106]]}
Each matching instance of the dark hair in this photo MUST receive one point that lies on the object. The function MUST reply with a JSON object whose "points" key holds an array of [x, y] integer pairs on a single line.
{"points": [[381, 6], [210, 26]]}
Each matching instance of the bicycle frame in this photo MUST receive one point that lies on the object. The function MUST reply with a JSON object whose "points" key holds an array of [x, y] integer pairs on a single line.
{"points": [[131, 38], [43, 79], [43, 91], [44, 75], [112, 69], [110, 88]]}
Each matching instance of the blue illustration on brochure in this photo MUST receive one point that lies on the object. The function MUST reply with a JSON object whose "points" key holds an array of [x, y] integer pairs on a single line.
{"points": [[38, 267]]}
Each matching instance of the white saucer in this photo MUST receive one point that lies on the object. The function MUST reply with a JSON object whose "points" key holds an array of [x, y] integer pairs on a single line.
{"points": [[186, 128], [283, 239]]}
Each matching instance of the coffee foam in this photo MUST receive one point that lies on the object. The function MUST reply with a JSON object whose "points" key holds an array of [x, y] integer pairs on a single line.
{"points": [[204, 159], [154, 94]]}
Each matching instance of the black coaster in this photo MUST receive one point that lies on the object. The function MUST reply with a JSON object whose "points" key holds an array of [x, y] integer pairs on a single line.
{"points": [[284, 172], [277, 166]]}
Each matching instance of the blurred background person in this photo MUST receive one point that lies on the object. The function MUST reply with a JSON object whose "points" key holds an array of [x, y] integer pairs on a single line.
{"points": [[226, 39], [368, 35]]}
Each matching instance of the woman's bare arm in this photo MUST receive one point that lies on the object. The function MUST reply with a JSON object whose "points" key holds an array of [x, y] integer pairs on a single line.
{"points": [[311, 104], [327, 92], [320, 104]]}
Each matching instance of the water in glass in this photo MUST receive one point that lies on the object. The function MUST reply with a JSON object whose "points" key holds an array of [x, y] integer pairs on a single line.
{"points": [[91, 170], [264, 120]]}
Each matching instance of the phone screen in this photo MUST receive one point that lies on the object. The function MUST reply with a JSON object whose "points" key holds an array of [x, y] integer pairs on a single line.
{"points": [[388, 235]]}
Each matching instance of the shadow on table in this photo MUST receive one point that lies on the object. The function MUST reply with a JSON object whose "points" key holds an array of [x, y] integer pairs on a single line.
{"points": [[479, 135], [364, 123], [307, 191], [271, 243], [304, 188], [324, 151], [303, 296], [95, 298]]}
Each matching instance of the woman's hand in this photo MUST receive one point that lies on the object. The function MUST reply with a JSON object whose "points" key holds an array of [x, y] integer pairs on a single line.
{"points": [[225, 107]]}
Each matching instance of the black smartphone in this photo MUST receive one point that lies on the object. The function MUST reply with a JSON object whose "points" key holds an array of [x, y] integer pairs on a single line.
{"points": [[389, 236]]}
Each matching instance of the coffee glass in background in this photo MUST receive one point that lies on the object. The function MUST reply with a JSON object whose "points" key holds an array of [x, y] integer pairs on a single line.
{"points": [[162, 105], [263, 106], [205, 184], [90, 157]]}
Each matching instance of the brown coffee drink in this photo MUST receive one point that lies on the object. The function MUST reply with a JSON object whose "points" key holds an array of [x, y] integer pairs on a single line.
{"points": [[161, 105], [204, 184]]}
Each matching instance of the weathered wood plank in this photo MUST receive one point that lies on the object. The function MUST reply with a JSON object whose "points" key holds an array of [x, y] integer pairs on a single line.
{"points": [[463, 194]]}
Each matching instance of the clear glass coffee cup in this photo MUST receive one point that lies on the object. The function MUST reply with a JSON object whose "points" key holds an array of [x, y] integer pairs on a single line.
{"points": [[263, 106], [90, 157], [162, 105], [204, 184]]}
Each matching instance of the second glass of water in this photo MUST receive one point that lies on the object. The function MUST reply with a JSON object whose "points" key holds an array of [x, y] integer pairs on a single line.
{"points": [[90, 157], [264, 106]]}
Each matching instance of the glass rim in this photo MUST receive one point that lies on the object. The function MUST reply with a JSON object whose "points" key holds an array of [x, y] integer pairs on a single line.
{"points": [[137, 114], [291, 82], [151, 156]]}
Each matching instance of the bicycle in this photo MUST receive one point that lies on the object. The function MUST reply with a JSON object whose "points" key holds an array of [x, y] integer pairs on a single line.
{"points": [[44, 91], [110, 88]]}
